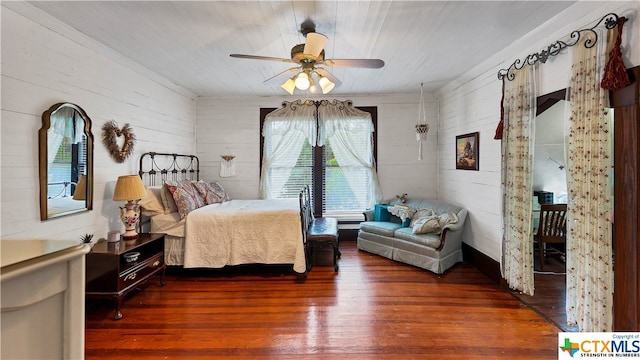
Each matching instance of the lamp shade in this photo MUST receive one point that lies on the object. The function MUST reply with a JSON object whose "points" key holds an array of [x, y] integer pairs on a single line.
{"points": [[129, 187], [81, 189], [302, 81], [289, 86], [326, 85], [314, 44]]}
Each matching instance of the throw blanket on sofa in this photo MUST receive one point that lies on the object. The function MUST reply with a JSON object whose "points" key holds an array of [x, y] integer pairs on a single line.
{"points": [[245, 232]]}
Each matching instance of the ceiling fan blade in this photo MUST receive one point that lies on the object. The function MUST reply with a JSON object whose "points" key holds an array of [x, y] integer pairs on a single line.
{"points": [[256, 57], [314, 44], [361, 63], [328, 75], [277, 79]]}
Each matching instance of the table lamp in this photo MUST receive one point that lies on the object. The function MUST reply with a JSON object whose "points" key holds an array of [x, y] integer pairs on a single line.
{"points": [[81, 189], [129, 188]]}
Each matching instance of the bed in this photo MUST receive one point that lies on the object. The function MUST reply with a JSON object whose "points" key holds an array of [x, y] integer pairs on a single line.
{"points": [[221, 231]]}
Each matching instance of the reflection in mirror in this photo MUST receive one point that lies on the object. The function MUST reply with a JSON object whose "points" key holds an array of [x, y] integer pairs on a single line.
{"points": [[66, 161], [549, 167]]}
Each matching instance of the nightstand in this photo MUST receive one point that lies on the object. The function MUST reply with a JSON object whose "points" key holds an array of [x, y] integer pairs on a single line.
{"points": [[109, 274]]}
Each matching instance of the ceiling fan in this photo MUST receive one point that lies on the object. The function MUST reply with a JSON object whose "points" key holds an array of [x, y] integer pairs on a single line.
{"points": [[309, 56]]}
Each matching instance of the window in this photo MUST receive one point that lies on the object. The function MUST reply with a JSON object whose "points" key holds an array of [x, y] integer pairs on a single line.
{"points": [[340, 173], [69, 163]]}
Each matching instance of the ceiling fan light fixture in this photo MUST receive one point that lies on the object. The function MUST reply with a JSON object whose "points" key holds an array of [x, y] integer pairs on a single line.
{"points": [[326, 85], [314, 44], [302, 81], [289, 86]]}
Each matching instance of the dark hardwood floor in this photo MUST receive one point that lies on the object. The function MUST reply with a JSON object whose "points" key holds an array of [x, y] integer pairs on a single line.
{"points": [[372, 308], [550, 292]]}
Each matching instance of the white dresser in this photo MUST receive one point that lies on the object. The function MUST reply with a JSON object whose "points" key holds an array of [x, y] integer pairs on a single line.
{"points": [[42, 284]]}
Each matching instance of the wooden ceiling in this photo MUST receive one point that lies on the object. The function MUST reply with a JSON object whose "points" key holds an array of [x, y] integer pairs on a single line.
{"points": [[189, 42]]}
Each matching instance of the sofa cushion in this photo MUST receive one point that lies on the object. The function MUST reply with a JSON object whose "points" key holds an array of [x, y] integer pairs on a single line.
{"points": [[385, 228], [431, 240]]}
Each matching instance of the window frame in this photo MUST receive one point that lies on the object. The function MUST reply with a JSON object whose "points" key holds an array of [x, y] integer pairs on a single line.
{"points": [[318, 152]]}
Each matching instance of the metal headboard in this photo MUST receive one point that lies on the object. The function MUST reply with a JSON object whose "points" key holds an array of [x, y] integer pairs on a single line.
{"points": [[157, 167]]}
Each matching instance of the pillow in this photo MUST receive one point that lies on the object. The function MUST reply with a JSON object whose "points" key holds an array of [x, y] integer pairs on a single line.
{"points": [[207, 193], [186, 197], [220, 191], [447, 218], [152, 203], [427, 224], [380, 213], [434, 223], [167, 197], [421, 213]]}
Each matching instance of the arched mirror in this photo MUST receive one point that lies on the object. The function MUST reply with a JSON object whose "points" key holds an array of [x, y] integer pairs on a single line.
{"points": [[66, 161]]}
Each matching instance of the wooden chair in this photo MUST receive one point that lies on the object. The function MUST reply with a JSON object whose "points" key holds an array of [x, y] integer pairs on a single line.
{"points": [[552, 227], [317, 232]]}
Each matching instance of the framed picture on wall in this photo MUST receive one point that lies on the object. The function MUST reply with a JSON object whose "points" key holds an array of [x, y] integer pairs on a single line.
{"points": [[467, 151]]}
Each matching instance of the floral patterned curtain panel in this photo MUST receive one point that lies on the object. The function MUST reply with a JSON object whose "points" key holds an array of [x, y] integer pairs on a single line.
{"points": [[589, 262], [517, 166]]}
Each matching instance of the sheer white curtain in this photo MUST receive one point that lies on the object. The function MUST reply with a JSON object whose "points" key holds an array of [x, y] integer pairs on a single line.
{"points": [[349, 132], [285, 131], [63, 127], [589, 263], [517, 166]]}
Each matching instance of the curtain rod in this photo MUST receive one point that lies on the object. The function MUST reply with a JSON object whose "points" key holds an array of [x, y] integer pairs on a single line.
{"points": [[300, 102], [610, 21]]}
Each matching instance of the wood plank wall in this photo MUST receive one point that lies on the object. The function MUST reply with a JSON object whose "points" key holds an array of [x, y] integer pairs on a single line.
{"points": [[45, 62], [234, 123]]}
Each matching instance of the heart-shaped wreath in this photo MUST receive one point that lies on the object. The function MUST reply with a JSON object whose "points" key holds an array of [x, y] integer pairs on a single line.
{"points": [[110, 134]]}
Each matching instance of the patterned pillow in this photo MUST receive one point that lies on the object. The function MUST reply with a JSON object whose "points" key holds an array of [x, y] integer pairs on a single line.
{"points": [[207, 193], [186, 197], [220, 191]]}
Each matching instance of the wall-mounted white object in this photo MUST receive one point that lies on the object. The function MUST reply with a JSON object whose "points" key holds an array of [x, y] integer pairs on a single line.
{"points": [[227, 165]]}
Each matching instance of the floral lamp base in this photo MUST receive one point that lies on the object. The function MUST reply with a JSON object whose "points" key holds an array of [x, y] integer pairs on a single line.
{"points": [[130, 214]]}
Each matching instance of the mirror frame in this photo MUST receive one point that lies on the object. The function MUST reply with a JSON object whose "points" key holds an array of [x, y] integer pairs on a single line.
{"points": [[44, 168]]}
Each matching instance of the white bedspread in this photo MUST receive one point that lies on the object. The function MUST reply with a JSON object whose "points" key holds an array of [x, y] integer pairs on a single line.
{"points": [[245, 232]]}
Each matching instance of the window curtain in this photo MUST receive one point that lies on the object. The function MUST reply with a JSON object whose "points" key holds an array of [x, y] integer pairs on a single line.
{"points": [[285, 131], [589, 263], [517, 167], [349, 132], [63, 127]]}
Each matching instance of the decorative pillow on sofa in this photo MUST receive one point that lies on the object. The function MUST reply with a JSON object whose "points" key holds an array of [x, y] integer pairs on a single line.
{"points": [[421, 213], [434, 223], [447, 218], [380, 213], [425, 225], [152, 203]]}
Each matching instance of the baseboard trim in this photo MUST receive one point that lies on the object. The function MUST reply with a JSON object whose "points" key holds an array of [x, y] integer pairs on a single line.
{"points": [[482, 262]]}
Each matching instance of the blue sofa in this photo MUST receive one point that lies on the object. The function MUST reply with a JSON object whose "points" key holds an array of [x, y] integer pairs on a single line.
{"points": [[436, 248]]}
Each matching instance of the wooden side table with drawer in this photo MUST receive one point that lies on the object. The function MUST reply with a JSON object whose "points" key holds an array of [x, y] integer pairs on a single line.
{"points": [[109, 274]]}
